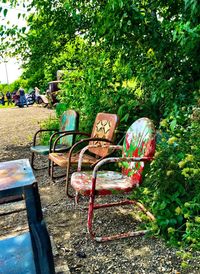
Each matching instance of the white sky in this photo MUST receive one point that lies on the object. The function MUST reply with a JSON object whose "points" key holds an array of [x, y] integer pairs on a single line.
{"points": [[11, 66], [13, 71]]}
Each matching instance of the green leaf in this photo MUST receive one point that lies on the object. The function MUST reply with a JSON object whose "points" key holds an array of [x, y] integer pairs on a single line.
{"points": [[164, 222], [173, 124], [172, 221], [5, 12], [163, 205], [180, 219]]}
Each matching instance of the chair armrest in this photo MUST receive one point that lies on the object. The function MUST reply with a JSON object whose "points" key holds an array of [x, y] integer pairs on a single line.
{"points": [[120, 159], [115, 160], [116, 147], [86, 140], [60, 133], [39, 131], [70, 155], [64, 133]]}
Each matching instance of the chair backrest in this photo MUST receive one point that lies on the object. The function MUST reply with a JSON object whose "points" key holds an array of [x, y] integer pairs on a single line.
{"points": [[104, 127], [69, 121], [139, 142]]}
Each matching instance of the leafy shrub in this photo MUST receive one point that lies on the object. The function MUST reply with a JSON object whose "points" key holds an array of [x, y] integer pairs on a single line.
{"points": [[171, 186], [48, 124], [60, 108]]}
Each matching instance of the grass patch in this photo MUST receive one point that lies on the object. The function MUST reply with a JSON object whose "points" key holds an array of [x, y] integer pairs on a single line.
{"points": [[6, 106]]}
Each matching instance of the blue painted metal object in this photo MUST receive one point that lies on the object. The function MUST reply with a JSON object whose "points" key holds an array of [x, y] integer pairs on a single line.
{"points": [[15, 174], [16, 256], [28, 252]]}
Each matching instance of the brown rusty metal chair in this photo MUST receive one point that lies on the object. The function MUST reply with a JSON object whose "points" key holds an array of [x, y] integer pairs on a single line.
{"points": [[138, 148], [103, 132], [68, 122]]}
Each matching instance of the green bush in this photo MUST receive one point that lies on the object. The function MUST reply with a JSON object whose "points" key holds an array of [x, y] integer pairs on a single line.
{"points": [[60, 108], [171, 187], [48, 124]]}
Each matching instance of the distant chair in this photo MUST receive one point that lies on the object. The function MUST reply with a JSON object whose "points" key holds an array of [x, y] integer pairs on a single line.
{"points": [[26, 249], [103, 132], [138, 148], [69, 122]]}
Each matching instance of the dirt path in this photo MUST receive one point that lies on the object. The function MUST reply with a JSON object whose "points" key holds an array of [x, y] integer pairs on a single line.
{"points": [[18, 125], [67, 225]]}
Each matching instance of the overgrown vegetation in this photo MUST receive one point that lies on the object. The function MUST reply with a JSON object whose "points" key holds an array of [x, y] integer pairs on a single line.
{"points": [[134, 58]]}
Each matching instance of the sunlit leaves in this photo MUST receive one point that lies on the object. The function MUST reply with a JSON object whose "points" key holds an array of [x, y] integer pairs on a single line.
{"points": [[5, 12]]}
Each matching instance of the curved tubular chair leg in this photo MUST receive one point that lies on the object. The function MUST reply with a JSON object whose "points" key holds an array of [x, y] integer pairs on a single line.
{"points": [[90, 217], [76, 199], [67, 182], [51, 172], [67, 188], [93, 206], [49, 168], [32, 162]]}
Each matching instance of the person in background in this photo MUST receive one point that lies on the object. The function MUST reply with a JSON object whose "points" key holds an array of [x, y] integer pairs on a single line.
{"points": [[9, 98], [15, 97], [37, 94], [2, 99], [22, 98]]}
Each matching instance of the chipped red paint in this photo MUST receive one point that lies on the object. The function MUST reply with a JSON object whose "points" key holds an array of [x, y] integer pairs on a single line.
{"points": [[138, 148]]}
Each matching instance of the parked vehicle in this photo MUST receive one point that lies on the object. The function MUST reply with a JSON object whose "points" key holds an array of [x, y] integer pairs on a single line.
{"points": [[54, 90], [43, 100], [30, 97]]}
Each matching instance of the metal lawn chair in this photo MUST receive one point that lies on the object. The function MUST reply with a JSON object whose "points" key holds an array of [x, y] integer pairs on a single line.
{"points": [[138, 148], [103, 132], [68, 122]]}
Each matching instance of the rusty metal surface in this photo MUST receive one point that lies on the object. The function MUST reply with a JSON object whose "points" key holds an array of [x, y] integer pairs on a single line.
{"points": [[104, 127]]}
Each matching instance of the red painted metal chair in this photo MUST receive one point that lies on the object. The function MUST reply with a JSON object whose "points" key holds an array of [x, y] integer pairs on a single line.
{"points": [[68, 122], [137, 149], [103, 132]]}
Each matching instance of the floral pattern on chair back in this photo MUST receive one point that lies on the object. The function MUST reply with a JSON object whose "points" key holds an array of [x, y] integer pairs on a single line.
{"points": [[104, 127], [139, 142], [68, 121]]}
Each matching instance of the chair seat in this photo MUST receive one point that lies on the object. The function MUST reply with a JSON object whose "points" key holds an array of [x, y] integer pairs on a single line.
{"points": [[108, 182], [44, 150], [16, 255], [62, 159]]}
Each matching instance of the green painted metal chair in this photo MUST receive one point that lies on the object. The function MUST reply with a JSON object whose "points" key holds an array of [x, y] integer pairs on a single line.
{"points": [[68, 122]]}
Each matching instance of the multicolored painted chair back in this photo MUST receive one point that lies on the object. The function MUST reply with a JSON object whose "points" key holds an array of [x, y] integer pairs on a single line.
{"points": [[104, 127], [139, 142], [69, 121]]}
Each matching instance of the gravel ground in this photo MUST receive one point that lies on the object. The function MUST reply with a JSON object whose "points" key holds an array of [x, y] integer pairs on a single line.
{"points": [[73, 249]]}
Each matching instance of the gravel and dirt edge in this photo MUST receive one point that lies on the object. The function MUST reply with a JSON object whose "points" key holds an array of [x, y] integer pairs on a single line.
{"points": [[67, 225]]}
